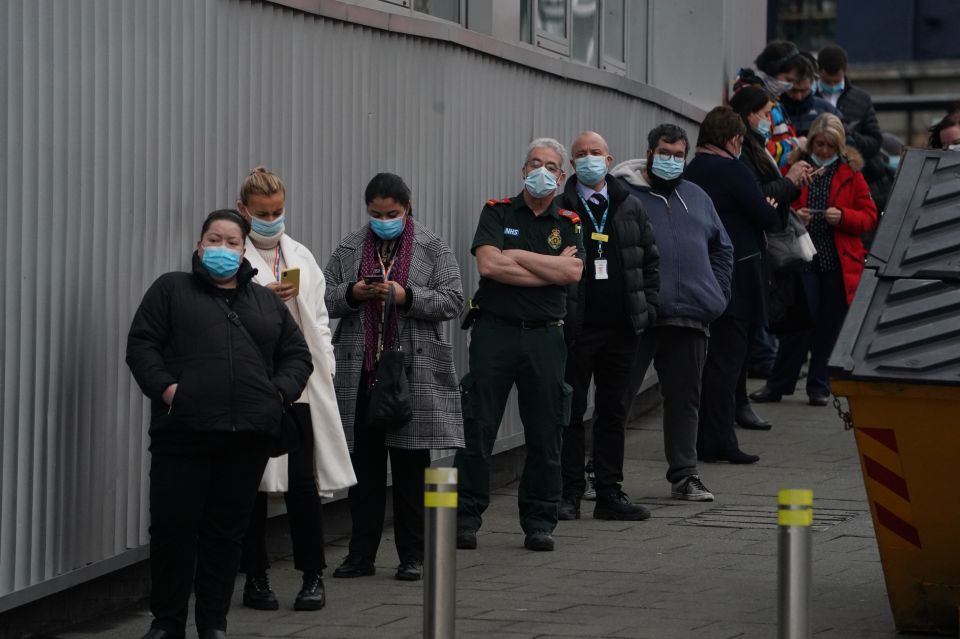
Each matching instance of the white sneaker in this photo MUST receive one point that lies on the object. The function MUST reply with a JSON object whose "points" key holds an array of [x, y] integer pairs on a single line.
{"points": [[691, 488]]}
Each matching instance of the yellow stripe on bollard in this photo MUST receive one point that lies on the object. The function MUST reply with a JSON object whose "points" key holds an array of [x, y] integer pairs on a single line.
{"points": [[795, 518], [795, 497], [439, 500], [440, 476]]}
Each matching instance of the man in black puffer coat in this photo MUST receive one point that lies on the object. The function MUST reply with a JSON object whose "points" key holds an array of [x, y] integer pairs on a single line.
{"points": [[606, 313]]}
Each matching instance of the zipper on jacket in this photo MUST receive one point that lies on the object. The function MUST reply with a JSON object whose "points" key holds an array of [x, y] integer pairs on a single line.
{"points": [[233, 386]]}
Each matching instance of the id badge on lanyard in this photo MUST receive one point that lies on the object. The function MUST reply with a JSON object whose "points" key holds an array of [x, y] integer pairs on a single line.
{"points": [[600, 271]]}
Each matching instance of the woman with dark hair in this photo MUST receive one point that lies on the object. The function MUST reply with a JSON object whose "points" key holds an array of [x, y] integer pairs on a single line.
{"points": [[745, 214], [754, 106], [220, 358], [838, 210], [393, 252], [945, 134]]}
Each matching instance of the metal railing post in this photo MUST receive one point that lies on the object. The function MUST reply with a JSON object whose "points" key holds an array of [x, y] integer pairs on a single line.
{"points": [[794, 518], [440, 553]]}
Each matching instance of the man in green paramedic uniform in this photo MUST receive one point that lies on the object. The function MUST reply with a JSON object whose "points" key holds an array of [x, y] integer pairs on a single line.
{"points": [[527, 251]]}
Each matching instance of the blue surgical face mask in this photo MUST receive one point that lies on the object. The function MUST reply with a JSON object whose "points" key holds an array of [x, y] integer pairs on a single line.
{"points": [[267, 229], [831, 89], [591, 169], [893, 162], [827, 162], [667, 169], [763, 128], [220, 261], [387, 229], [540, 182]]}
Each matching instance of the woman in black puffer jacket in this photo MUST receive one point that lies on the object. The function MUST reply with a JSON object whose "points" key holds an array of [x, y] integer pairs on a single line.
{"points": [[216, 404]]}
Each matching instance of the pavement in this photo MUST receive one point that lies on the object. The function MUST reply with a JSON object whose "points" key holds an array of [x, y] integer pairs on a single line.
{"points": [[705, 570]]}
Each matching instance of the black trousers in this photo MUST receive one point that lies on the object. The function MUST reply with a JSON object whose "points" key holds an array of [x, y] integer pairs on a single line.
{"points": [[368, 498], [202, 489], [607, 355], [303, 512], [828, 305], [678, 355], [727, 352]]}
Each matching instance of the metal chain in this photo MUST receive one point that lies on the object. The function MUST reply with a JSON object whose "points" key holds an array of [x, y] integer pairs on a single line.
{"points": [[845, 415]]}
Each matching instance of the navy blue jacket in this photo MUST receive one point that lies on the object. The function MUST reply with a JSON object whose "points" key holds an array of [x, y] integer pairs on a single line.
{"points": [[696, 257], [745, 214]]}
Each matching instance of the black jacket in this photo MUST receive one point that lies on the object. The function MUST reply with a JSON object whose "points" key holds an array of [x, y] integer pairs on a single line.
{"points": [[860, 120], [638, 254], [180, 334], [772, 182], [745, 215]]}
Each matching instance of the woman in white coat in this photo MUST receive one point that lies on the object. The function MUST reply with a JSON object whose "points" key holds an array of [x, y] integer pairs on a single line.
{"points": [[322, 463]]}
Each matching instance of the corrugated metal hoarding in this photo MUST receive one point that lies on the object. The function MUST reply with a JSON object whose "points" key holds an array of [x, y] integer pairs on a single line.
{"points": [[122, 123]]}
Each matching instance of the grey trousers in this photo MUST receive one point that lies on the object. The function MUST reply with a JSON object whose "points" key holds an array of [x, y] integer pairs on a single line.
{"points": [[678, 354]]}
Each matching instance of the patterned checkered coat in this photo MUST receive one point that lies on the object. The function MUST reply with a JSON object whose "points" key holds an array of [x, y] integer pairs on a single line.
{"points": [[434, 280]]}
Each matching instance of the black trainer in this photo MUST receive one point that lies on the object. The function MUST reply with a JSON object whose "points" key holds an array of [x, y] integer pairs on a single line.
{"points": [[312, 595], [617, 506], [257, 593], [540, 540], [354, 566], [466, 539], [569, 509]]}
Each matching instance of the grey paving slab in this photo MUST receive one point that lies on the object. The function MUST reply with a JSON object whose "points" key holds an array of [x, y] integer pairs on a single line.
{"points": [[657, 579]]}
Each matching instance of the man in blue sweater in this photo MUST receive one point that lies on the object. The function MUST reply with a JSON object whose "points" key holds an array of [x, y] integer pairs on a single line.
{"points": [[696, 263]]}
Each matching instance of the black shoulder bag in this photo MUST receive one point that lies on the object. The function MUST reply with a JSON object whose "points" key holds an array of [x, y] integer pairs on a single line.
{"points": [[389, 406], [289, 437]]}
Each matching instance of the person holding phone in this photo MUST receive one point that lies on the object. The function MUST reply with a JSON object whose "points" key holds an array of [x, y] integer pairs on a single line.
{"points": [[392, 251], [322, 461], [837, 208], [195, 339]]}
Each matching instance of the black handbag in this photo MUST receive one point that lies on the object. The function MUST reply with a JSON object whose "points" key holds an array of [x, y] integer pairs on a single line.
{"points": [[389, 405], [289, 435]]}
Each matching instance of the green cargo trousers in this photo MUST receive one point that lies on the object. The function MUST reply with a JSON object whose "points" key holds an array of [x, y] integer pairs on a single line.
{"points": [[534, 359]]}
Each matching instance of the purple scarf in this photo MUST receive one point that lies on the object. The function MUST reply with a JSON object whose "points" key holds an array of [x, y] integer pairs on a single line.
{"points": [[372, 310]]}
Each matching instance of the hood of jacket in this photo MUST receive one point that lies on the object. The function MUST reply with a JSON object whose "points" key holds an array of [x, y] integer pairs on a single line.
{"points": [[632, 172], [850, 155]]}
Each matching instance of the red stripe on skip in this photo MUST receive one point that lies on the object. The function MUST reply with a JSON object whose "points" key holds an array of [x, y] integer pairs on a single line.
{"points": [[885, 436], [886, 477], [897, 526]]}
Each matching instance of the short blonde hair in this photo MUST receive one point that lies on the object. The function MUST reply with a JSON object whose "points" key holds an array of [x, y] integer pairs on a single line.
{"points": [[829, 126], [260, 181]]}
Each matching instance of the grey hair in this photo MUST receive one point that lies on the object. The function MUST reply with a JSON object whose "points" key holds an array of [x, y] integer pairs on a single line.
{"points": [[548, 143]]}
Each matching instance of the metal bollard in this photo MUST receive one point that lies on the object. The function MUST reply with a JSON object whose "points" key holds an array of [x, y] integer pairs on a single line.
{"points": [[794, 518], [440, 553]]}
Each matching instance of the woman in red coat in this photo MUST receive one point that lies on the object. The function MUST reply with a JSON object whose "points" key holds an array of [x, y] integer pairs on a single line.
{"points": [[837, 209]]}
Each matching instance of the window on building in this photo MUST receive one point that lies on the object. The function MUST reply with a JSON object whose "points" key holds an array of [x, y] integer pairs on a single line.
{"points": [[585, 43], [548, 23], [612, 34], [635, 40], [444, 9]]}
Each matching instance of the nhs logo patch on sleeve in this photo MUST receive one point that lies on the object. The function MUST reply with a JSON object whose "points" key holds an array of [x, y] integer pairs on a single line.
{"points": [[509, 231]]}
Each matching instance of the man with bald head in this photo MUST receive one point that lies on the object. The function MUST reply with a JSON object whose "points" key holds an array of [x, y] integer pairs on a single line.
{"points": [[607, 310]]}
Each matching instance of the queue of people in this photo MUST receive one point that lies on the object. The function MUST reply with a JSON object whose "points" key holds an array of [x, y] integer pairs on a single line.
{"points": [[586, 277]]}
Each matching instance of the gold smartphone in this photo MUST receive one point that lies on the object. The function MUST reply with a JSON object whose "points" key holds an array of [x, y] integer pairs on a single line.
{"points": [[291, 276]]}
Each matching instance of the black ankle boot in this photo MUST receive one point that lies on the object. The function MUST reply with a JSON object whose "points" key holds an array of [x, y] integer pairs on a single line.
{"points": [[257, 593], [312, 595]]}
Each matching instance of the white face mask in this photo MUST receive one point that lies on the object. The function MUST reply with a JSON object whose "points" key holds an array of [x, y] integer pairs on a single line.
{"points": [[954, 147]]}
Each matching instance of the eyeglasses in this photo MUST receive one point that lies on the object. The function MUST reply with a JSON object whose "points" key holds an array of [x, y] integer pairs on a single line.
{"points": [[550, 166], [666, 157]]}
